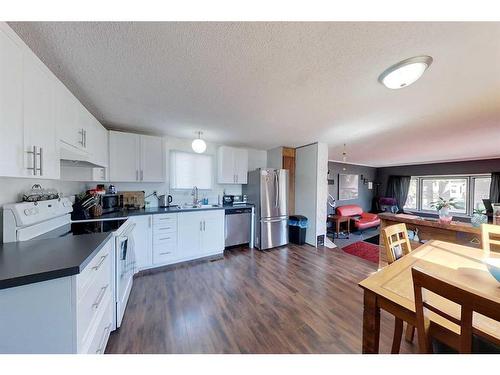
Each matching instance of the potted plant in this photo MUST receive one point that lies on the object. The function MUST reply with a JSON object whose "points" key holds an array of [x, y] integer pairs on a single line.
{"points": [[479, 217], [443, 207]]}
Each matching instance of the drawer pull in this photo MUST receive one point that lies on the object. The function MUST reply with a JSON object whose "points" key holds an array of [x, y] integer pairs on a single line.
{"points": [[98, 265], [165, 238], [98, 301], [165, 228], [166, 253], [105, 333]]}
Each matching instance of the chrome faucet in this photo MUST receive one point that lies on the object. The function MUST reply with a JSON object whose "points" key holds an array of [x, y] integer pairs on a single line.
{"points": [[194, 193]]}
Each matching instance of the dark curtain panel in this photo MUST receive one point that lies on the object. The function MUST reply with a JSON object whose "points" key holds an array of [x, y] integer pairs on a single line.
{"points": [[397, 188], [495, 187]]}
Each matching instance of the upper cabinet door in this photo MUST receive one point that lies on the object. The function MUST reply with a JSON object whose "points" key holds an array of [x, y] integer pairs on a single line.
{"points": [[241, 165], [232, 165], [152, 159], [67, 117], [225, 165], [96, 140], [11, 107], [124, 157], [40, 139]]}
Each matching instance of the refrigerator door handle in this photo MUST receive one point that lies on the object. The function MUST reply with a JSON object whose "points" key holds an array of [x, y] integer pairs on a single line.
{"points": [[277, 189], [274, 220]]}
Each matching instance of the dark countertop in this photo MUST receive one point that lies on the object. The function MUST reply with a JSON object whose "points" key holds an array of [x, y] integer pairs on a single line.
{"points": [[33, 261], [123, 213]]}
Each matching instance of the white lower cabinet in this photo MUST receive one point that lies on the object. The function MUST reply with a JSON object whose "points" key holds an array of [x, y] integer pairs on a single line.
{"points": [[71, 314], [201, 233], [183, 236]]}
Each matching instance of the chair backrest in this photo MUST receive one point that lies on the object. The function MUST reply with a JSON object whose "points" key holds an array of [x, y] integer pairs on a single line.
{"points": [[486, 231], [468, 301], [349, 210], [396, 241]]}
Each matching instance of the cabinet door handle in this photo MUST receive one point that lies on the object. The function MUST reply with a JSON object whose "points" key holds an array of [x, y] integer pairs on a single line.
{"points": [[34, 168], [85, 138], [136, 175], [98, 301], [98, 265], [40, 167], [101, 346], [142, 175], [149, 221], [203, 225]]}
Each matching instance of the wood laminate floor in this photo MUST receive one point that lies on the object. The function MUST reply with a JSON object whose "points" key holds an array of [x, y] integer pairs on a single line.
{"points": [[294, 299]]}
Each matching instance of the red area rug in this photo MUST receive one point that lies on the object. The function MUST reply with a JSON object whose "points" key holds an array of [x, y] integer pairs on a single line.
{"points": [[363, 250]]}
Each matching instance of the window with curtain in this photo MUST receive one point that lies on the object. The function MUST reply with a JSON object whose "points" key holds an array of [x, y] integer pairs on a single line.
{"points": [[188, 169], [468, 192]]}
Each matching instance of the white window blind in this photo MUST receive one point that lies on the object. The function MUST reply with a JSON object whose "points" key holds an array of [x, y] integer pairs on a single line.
{"points": [[189, 169]]}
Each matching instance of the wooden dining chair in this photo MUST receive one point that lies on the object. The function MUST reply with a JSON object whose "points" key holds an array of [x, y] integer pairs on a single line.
{"points": [[468, 301], [486, 231], [397, 245], [396, 241]]}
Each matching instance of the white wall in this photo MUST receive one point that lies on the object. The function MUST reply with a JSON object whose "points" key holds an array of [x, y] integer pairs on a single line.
{"points": [[275, 158], [311, 189], [256, 159]]}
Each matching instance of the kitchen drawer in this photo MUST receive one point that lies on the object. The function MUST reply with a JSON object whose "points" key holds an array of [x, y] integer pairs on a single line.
{"points": [[102, 263], [165, 228], [164, 254], [92, 303], [101, 330], [159, 220], [164, 236]]}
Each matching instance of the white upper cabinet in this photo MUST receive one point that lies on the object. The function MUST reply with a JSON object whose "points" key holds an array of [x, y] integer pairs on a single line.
{"points": [[123, 157], [11, 106], [134, 157], [232, 165], [40, 141], [152, 159], [78, 130], [67, 117], [96, 142]]}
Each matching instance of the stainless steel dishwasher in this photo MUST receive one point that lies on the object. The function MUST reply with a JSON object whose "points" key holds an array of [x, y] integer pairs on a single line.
{"points": [[238, 226]]}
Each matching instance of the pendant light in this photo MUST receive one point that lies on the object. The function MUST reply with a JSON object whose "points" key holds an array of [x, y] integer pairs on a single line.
{"points": [[344, 157], [405, 72], [199, 146]]}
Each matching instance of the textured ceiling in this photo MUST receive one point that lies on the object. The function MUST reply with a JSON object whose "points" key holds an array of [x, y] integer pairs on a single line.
{"points": [[270, 84]]}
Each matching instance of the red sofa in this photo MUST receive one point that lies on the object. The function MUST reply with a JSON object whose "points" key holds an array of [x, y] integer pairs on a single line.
{"points": [[362, 220]]}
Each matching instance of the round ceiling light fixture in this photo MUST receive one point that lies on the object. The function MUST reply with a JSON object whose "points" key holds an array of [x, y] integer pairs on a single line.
{"points": [[405, 72], [198, 145]]}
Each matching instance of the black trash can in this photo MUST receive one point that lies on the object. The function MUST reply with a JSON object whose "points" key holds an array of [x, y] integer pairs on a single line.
{"points": [[297, 225]]}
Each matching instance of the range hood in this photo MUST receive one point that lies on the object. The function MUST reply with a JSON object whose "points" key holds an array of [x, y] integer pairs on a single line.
{"points": [[74, 157]]}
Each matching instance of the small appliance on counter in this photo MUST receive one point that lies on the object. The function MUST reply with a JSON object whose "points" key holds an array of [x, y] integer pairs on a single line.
{"points": [[164, 200], [132, 200], [110, 203]]}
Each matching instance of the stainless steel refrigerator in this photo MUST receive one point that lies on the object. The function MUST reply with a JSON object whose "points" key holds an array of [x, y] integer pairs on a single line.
{"points": [[267, 189]]}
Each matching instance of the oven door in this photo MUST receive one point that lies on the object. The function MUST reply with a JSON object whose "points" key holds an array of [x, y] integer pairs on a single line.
{"points": [[125, 269]]}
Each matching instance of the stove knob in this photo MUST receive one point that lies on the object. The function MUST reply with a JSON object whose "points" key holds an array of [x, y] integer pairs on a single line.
{"points": [[27, 212]]}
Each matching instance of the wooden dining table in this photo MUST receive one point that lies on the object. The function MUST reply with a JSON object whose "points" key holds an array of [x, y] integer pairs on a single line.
{"points": [[391, 289]]}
